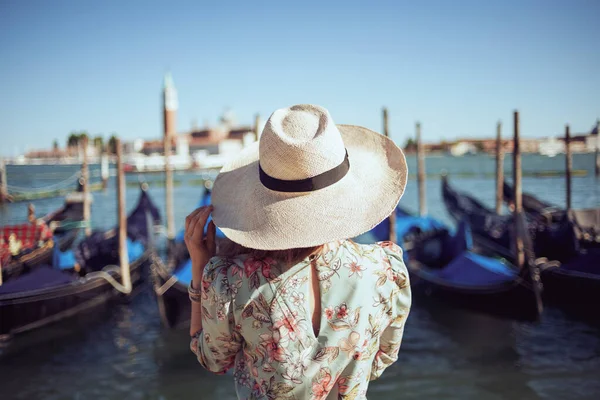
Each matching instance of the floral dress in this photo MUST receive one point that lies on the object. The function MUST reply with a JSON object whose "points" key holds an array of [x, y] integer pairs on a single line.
{"points": [[256, 319]]}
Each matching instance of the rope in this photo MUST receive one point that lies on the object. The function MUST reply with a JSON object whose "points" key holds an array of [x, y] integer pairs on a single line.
{"points": [[70, 225], [168, 284], [542, 263], [108, 277], [65, 182]]}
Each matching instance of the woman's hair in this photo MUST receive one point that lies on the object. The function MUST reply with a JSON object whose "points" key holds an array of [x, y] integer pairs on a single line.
{"points": [[228, 248]]}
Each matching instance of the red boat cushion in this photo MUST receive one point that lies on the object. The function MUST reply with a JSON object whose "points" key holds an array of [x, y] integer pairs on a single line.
{"points": [[30, 236]]}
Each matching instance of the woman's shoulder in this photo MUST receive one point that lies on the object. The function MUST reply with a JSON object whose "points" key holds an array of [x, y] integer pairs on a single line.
{"points": [[386, 255], [380, 249]]}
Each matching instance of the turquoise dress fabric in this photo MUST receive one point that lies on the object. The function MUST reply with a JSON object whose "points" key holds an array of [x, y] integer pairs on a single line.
{"points": [[257, 321]]}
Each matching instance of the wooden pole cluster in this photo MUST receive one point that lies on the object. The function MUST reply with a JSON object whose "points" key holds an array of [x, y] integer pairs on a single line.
{"points": [[518, 201], [392, 218], [569, 164], [499, 169], [122, 221], [169, 190], [257, 127], [3, 184], [421, 172], [85, 175]]}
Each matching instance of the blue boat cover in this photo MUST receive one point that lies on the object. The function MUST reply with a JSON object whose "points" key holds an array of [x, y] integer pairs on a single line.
{"points": [[101, 247], [405, 223], [41, 277], [204, 201], [63, 259], [474, 270], [67, 259], [461, 241], [183, 272]]}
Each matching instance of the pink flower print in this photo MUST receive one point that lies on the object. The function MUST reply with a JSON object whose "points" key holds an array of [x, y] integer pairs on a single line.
{"points": [[391, 245], [296, 282], [322, 386], [341, 311], [205, 288], [297, 299], [283, 290], [288, 325], [236, 270], [251, 265], [296, 363], [271, 342], [343, 384], [329, 312], [355, 268], [243, 380]]}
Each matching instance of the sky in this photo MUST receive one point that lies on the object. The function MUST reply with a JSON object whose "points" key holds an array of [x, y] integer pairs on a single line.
{"points": [[456, 66]]}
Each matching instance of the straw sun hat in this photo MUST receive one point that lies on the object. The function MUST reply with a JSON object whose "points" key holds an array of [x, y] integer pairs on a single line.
{"points": [[308, 182]]}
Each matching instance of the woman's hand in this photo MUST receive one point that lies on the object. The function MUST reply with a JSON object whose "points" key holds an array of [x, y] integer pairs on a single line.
{"points": [[201, 248]]}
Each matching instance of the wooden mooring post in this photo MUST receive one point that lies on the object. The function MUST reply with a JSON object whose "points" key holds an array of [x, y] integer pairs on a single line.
{"points": [[31, 213], [122, 221], [392, 218], [499, 169], [568, 165], [421, 172], [257, 127], [3, 185], [518, 201], [104, 168], [85, 175], [597, 150], [169, 190]]}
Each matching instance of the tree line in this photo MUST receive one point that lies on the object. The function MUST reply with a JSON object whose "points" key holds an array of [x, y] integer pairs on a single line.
{"points": [[76, 138]]}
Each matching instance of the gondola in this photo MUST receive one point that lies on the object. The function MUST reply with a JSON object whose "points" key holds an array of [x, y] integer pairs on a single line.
{"points": [[586, 222], [171, 280], [406, 223], [569, 272], [491, 232], [57, 229], [79, 279], [443, 266]]}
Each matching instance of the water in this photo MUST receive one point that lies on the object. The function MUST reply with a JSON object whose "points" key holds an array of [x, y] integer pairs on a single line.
{"points": [[124, 353]]}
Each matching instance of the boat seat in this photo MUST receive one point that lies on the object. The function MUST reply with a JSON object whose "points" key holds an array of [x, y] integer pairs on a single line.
{"points": [[40, 278]]}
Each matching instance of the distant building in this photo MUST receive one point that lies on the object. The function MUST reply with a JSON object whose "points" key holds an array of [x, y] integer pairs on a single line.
{"points": [[551, 147], [170, 106], [461, 148], [204, 148]]}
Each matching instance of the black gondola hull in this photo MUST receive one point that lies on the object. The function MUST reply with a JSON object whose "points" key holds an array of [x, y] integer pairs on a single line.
{"points": [[172, 297], [511, 300], [31, 310], [562, 286], [572, 291]]}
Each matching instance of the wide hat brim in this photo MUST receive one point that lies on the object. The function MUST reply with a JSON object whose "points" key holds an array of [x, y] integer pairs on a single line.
{"points": [[256, 217]]}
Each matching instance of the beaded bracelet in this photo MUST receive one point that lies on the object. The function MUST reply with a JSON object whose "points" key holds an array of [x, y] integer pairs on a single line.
{"points": [[194, 294]]}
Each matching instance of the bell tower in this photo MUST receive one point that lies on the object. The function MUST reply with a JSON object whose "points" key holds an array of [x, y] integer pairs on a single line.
{"points": [[170, 106]]}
